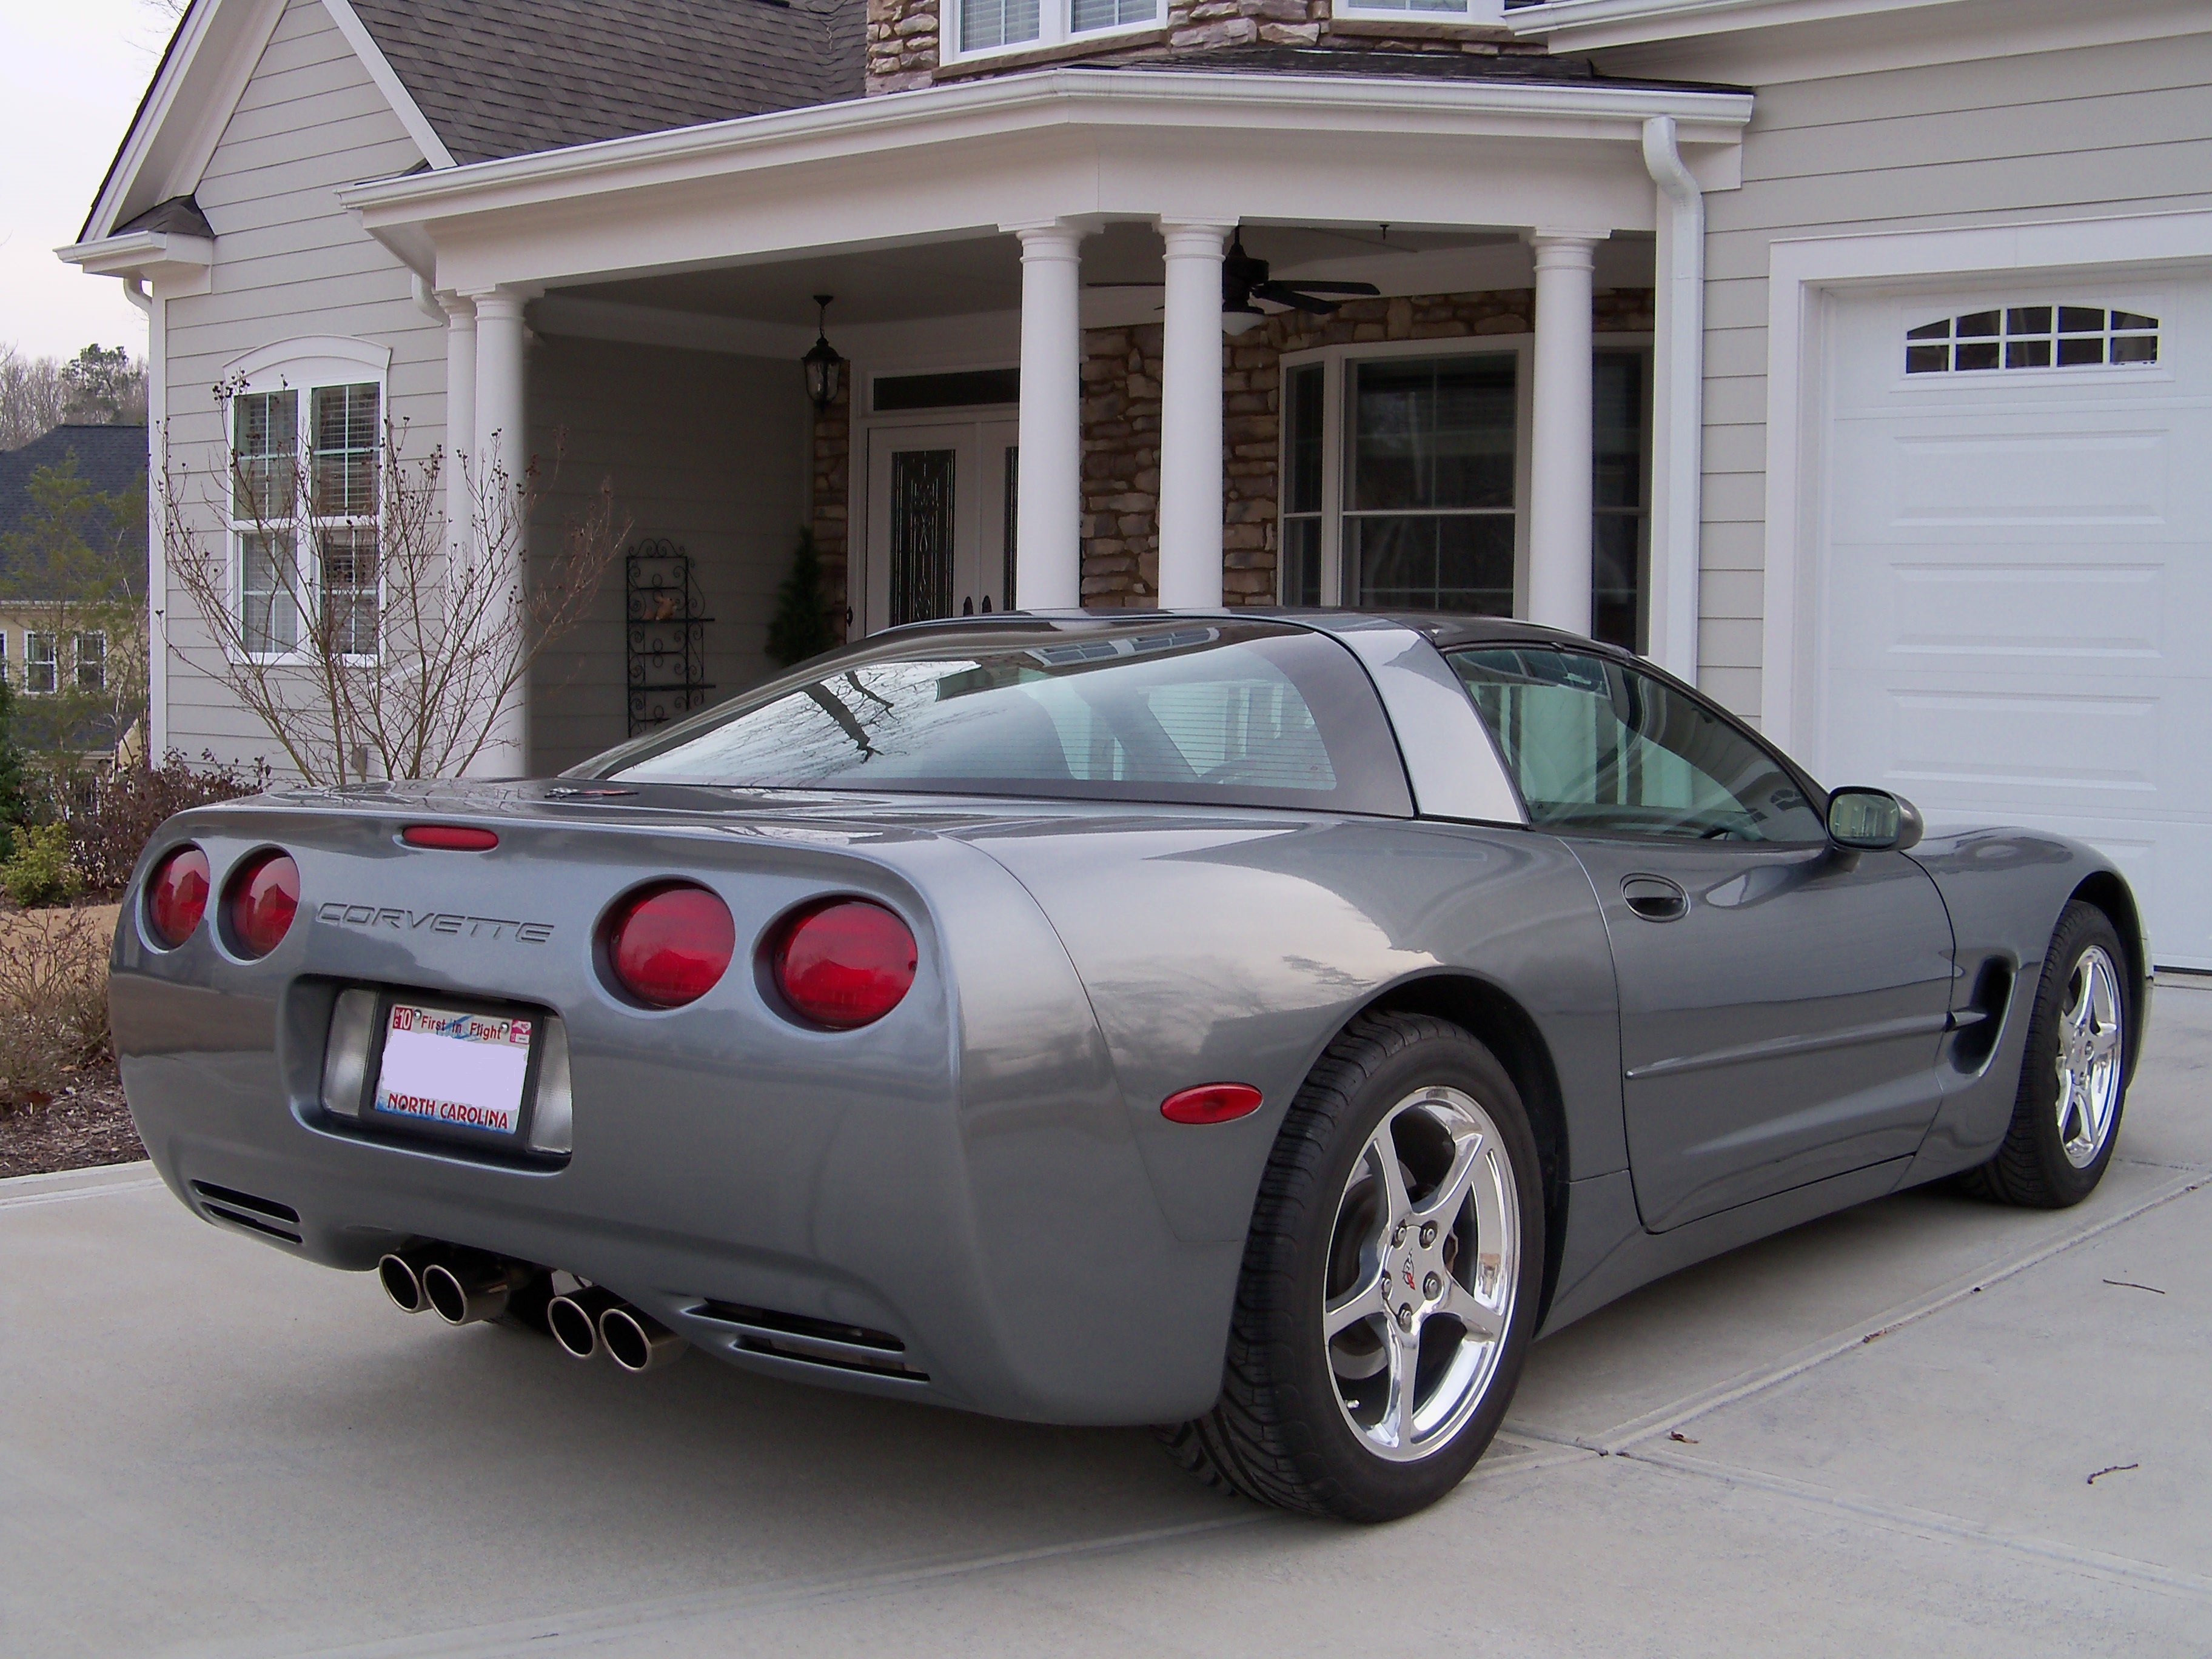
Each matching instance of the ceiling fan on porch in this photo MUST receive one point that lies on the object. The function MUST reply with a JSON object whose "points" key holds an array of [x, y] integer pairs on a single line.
{"points": [[1245, 282]]}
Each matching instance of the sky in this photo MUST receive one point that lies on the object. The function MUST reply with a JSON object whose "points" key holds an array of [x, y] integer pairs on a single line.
{"points": [[71, 74]]}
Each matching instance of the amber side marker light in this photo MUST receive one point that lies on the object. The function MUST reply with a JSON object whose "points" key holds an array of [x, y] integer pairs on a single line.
{"points": [[177, 895], [449, 837], [264, 897], [1211, 1103]]}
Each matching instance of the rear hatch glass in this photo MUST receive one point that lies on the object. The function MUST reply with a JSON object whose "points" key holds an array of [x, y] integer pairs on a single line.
{"points": [[1222, 714]]}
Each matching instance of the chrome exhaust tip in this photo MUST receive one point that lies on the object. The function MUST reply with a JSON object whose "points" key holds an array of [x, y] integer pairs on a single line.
{"points": [[467, 1291], [637, 1342], [573, 1319], [400, 1273]]}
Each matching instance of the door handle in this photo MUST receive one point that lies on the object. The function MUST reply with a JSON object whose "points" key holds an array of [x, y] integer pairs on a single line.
{"points": [[1655, 898]]}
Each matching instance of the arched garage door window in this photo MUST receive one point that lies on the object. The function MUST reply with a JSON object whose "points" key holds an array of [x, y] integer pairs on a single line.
{"points": [[2032, 336]]}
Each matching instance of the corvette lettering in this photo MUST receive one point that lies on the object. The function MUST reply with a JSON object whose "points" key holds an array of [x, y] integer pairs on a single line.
{"points": [[340, 915]]}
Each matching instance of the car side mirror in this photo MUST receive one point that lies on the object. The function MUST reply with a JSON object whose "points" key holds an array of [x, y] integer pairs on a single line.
{"points": [[1873, 821]]}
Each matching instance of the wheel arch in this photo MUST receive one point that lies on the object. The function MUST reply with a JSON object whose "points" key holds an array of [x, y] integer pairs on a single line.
{"points": [[1493, 1018], [2105, 890]]}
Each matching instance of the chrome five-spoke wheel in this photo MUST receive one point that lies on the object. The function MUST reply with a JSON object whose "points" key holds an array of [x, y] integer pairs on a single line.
{"points": [[2089, 1057], [1424, 1264], [1390, 1282], [2073, 1086]]}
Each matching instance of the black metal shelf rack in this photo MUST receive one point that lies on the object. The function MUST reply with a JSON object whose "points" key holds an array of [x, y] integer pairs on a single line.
{"points": [[665, 638]]}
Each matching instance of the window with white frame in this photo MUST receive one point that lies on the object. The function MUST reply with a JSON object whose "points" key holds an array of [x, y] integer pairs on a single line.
{"points": [[92, 661], [304, 501], [1403, 482], [1424, 11], [41, 669], [991, 25], [4, 657]]}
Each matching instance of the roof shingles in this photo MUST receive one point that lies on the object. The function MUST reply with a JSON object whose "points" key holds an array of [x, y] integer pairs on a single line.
{"points": [[510, 77]]}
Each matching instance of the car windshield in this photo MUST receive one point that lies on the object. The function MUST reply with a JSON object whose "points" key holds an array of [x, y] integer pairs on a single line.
{"points": [[1220, 713]]}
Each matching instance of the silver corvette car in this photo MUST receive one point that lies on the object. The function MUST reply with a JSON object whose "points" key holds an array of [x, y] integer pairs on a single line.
{"points": [[1262, 1025]]}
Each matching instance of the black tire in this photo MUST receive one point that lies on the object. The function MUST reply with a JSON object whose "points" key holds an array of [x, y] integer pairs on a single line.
{"points": [[1278, 1434], [2031, 1168]]}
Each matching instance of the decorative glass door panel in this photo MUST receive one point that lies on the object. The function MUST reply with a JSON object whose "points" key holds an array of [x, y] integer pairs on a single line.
{"points": [[922, 483], [941, 522]]}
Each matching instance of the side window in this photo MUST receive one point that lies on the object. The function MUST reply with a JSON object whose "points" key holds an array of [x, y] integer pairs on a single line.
{"points": [[1596, 745]]}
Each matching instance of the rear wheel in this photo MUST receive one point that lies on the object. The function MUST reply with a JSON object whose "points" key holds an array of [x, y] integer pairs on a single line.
{"points": [[2074, 1080], [1389, 1285]]}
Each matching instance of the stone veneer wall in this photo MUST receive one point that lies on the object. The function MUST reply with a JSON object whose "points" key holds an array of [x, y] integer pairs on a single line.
{"points": [[1121, 426], [901, 38]]}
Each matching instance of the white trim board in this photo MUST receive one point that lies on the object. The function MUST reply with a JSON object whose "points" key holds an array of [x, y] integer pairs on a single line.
{"points": [[387, 82], [1800, 274]]}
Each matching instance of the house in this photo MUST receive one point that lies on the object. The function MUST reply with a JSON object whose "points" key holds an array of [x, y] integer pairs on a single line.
{"points": [[1852, 358], [50, 646]]}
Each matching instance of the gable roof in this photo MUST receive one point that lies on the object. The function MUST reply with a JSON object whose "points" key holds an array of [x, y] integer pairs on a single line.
{"points": [[510, 77], [109, 459]]}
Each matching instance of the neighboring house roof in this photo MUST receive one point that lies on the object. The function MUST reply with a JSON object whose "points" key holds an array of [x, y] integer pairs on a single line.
{"points": [[109, 459], [510, 77]]}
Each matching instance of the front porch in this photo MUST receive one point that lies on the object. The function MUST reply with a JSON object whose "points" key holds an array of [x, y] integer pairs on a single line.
{"points": [[1040, 406]]}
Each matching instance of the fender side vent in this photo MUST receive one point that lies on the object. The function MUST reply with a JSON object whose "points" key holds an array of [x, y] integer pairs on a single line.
{"points": [[259, 1215], [1981, 1023], [816, 1341]]}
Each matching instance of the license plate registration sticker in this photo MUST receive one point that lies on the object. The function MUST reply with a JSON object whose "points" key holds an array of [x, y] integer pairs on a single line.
{"points": [[445, 1067]]}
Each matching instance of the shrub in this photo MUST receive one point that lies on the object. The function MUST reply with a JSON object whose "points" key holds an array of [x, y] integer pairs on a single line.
{"points": [[111, 816], [53, 1003], [38, 871]]}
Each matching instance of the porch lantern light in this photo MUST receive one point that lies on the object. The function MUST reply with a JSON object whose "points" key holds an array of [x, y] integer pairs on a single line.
{"points": [[824, 367]]}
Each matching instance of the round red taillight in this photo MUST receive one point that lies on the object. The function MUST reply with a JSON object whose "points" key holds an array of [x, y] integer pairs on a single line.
{"points": [[669, 945], [844, 964], [264, 897], [177, 895]]}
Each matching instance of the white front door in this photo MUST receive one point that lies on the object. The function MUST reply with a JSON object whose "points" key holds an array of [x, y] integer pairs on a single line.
{"points": [[2016, 584], [940, 521]]}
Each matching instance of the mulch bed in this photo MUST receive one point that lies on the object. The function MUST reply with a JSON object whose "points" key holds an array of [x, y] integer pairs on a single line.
{"points": [[86, 1125]]}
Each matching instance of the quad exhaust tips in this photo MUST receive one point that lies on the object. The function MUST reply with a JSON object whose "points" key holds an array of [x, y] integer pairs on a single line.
{"points": [[461, 1286], [574, 1320], [593, 1321], [464, 1287]]}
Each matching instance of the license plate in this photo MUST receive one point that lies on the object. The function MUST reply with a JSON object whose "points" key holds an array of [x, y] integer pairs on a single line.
{"points": [[443, 1065]]}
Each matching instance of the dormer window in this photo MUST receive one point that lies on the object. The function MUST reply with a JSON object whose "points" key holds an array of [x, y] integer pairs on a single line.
{"points": [[982, 27], [2033, 337]]}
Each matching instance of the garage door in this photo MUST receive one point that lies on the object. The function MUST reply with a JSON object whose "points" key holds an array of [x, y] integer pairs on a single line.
{"points": [[2015, 598]]}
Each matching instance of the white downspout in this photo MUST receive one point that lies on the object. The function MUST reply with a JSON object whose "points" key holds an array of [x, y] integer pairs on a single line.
{"points": [[1678, 403], [157, 565]]}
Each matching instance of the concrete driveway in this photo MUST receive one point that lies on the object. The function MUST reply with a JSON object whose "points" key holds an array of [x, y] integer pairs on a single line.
{"points": [[1873, 1435]]}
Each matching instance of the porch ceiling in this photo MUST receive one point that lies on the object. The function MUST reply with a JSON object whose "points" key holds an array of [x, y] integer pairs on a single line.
{"points": [[984, 274]]}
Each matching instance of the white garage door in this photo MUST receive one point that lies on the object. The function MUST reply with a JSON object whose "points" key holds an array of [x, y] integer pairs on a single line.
{"points": [[2015, 604]]}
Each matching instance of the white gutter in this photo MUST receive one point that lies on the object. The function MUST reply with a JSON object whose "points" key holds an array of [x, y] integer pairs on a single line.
{"points": [[151, 255], [1678, 405], [1016, 105], [1587, 25]]}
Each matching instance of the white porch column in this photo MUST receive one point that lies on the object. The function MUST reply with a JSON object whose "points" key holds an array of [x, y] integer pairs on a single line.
{"points": [[502, 456], [460, 415], [1677, 407], [1560, 484], [1190, 418], [1048, 500]]}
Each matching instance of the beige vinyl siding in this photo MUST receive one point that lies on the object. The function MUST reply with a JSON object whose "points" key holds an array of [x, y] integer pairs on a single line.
{"points": [[2110, 129], [706, 450], [289, 262]]}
